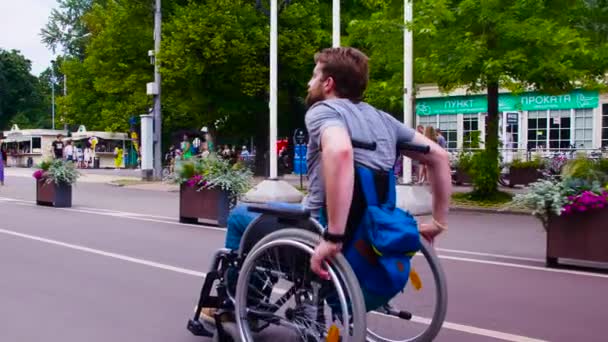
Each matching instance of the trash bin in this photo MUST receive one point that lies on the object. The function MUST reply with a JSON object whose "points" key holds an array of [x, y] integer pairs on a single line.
{"points": [[96, 163]]}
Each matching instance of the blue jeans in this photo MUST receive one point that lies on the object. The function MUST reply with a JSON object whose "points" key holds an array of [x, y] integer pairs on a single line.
{"points": [[240, 218]]}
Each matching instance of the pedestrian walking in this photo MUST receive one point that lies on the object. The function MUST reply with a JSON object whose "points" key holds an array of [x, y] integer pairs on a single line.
{"points": [[3, 159]]}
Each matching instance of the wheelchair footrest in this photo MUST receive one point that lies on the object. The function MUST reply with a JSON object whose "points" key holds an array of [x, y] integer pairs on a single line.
{"points": [[197, 329]]}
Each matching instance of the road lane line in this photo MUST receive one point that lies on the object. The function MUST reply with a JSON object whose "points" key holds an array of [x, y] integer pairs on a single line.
{"points": [[502, 256], [421, 320], [534, 268], [469, 329], [104, 253], [441, 256]]}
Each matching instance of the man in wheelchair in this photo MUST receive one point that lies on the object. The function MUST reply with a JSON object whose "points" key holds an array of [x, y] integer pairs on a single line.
{"points": [[346, 138]]}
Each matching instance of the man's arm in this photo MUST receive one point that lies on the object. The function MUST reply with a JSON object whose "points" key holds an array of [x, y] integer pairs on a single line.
{"points": [[338, 176], [438, 166]]}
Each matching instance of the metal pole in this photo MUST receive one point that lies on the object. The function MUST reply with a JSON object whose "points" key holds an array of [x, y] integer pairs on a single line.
{"points": [[273, 87], [157, 108], [408, 81], [65, 93], [336, 23], [53, 95]]}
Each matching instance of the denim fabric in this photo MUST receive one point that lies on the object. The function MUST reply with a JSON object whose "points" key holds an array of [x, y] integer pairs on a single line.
{"points": [[240, 218]]}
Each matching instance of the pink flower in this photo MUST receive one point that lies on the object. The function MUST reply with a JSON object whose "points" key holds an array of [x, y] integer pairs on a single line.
{"points": [[38, 174], [195, 180]]}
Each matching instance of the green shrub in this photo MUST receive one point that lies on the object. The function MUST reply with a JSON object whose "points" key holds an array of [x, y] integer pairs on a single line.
{"points": [[536, 163], [586, 169], [463, 161], [484, 171]]}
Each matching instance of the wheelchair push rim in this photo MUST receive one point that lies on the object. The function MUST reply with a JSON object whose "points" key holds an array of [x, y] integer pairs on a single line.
{"points": [[311, 324]]}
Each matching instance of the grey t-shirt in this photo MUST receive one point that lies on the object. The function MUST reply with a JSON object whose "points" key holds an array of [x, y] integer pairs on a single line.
{"points": [[364, 123]]}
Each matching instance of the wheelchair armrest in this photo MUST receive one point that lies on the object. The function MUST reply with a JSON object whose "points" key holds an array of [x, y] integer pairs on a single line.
{"points": [[288, 213]]}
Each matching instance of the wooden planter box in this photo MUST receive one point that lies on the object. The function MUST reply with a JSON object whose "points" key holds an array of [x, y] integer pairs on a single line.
{"points": [[582, 236], [523, 176], [54, 195], [210, 205]]}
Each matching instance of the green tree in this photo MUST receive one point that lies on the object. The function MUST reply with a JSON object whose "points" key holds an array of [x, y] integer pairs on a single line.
{"points": [[109, 85], [517, 44], [21, 93], [66, 27]]}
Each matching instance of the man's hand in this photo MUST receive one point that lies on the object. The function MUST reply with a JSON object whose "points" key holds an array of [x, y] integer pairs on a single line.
{"points": [[325, 250], [429, 231]]}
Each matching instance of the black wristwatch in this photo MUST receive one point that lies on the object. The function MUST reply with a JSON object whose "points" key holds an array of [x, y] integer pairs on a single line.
{"points": [[335, 238]]}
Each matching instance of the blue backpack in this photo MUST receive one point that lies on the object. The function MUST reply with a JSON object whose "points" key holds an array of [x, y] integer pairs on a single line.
{"points": [[382, 244]]}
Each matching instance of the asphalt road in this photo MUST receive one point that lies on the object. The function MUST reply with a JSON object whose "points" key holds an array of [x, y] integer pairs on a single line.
{"points": [[118, 267]]}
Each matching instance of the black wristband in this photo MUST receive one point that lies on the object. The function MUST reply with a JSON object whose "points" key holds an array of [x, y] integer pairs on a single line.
{"points": [[335, 238]]}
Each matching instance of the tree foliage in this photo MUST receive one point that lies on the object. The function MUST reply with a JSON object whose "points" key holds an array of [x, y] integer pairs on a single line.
{"points": [[22, 95], [516, 44], [66, 27]]}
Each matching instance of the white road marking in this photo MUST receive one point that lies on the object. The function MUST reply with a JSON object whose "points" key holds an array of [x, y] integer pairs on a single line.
{"points": [[501, 256], [441, 256], [470, 329], [104, 253], [448, 325], [533, 268], [115, 213]]}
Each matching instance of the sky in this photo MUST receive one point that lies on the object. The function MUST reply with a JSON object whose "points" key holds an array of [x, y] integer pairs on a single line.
{"points": [[20, 25]]}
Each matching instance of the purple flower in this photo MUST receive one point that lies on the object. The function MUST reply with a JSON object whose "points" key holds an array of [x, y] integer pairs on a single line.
{"points": [[38, 174], [192, 182]]}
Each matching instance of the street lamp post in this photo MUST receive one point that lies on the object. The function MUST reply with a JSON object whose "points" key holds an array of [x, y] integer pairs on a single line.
{"points": [[274, 37], [408, 81], [53, 95], [336, 23], [157, 108]]}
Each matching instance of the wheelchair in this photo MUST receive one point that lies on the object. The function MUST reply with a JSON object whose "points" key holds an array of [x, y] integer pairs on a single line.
{"points": [[266, 291]]}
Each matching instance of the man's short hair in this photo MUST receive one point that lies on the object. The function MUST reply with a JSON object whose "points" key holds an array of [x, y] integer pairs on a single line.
{"points": [[349, 69], [59, 136]]}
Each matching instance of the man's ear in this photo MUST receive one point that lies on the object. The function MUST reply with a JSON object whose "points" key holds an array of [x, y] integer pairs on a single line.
{"points": [[329, 84]]}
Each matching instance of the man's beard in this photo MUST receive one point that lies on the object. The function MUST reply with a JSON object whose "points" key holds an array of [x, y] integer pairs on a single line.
{"points": [[313, 97]]}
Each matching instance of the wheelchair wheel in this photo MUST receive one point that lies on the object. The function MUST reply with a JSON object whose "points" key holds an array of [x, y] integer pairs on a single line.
{"points": [[416, 314], [279, 297]]}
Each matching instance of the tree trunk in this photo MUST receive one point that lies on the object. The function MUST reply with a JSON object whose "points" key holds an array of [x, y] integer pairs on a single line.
{"points": [[491, 138], [492, 119]]}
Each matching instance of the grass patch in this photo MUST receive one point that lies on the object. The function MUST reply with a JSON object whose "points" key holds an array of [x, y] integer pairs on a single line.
{"points": [[499, 199], [127, 182]]}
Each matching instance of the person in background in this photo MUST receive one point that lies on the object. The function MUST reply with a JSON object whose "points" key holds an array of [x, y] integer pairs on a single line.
{"points": [[79, 156], [58, 147], [117, 158], [441, 140], [88, 157], [186, 148], [69, 151], [431, 134], [3, 158], [204, 150], [416, 164], [244, 153]]}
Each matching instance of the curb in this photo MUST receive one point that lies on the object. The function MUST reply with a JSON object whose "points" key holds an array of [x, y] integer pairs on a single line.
{"points": [[489, 211]]}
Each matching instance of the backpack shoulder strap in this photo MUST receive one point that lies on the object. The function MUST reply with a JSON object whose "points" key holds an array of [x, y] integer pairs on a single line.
{"points": [[368, 186], [391, 194]]}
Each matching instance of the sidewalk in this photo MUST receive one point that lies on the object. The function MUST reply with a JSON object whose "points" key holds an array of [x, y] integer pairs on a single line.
{"points": [[86, 176]]}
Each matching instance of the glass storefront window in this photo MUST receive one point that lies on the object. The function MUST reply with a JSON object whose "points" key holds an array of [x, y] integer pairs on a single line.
{"points": [[430, 120], [605, 125], [470, 130], [559, 129], [583, 128], [537, 129], [448, 124]]}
